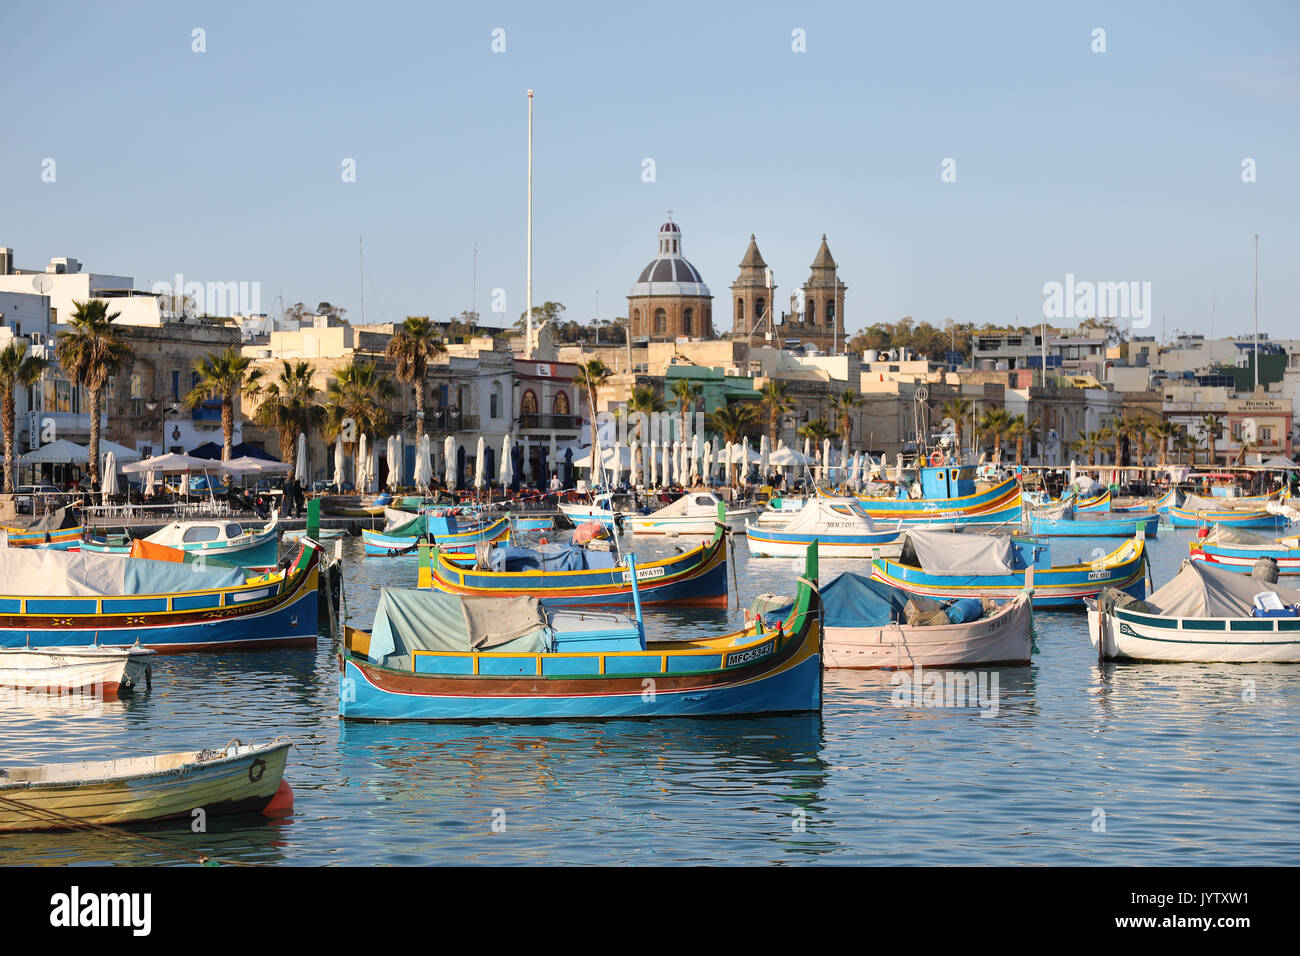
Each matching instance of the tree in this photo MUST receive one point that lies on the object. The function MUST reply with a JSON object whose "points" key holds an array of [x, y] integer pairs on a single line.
{"points": [[958, 410], [644, 401], [91, 353], [226, 375], [546, 312], [1088, 444], [414, 345], [775, 401], [845, 404], [733, 423], [1211, 425], [816, 431], [1165, 433], [1020, 429], [592, 377], [288, 405], [358, 402], [17, 370], [994, 424], [685, 394]]}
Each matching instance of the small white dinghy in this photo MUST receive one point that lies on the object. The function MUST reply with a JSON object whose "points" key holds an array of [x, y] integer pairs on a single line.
{"points": [[695, 512], [239, 779], [1204, 614], [107, 672]]}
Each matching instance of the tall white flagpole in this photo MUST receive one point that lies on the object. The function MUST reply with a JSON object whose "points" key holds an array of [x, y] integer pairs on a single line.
{"points": [[528, 297]]}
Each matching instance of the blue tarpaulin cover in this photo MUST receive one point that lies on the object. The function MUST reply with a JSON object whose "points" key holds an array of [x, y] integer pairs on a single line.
{"points": [[549, 557], [852, 600]]}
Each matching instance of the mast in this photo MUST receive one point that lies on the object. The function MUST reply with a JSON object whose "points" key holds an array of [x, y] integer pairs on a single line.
{"points": [[528, 294], [1256, 312], [361, 248]]}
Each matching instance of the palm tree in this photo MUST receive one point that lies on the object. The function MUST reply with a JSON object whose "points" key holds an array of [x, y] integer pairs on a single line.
{"points": [[644, 401], [1105, 438], [1020, 429], [957, 409], [1088, 444], [1211, 425], [227, 375], [91, 353], [685, 393], [775, 401], [1247, 446], [592, 377], [844, 406], [17, 370], [288, 404], [994, 424], [357, 402], [816, 431], [733, 423], [1164, 433], [414, 345]]}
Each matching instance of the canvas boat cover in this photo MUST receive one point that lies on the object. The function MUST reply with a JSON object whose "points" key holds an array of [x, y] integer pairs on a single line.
{"points": [[696, 504], [55, 520], [819, 516], [1197, 503], [35, 572], [408, 620], [550, 557], [1226, 534], [943, 552], [403, 524], [1203, 590], [852, 600]]}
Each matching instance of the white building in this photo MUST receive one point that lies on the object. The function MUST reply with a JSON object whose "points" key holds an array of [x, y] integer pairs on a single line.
{"points": [[64, 283]]}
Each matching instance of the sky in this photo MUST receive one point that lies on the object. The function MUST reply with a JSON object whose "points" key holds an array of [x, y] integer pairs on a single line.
{"points": [[228, 165]]}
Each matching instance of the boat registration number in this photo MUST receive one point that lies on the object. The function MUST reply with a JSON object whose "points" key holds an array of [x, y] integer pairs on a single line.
{"points": [[642, 574], [1098, 575], [744, 657]]}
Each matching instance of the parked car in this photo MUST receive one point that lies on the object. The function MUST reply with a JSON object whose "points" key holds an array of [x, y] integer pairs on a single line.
{"points": [[26, 496]]}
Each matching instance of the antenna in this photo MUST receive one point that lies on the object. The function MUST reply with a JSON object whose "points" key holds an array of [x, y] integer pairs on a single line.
{"points": [[361, 248], [473, 295]]}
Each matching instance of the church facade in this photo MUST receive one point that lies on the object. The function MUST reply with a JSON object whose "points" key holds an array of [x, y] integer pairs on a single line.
{"points": [[670, 299]]}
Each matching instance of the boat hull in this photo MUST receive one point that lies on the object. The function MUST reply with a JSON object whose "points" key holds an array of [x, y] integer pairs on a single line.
{"points": [[62, 540], [1115, 526], [105, 672], [1003, 638], [774, 543], [990, 506], [689, 524], [1183, 518], [1133, 636], [244, 781], [380, 545], [1243, 560]]}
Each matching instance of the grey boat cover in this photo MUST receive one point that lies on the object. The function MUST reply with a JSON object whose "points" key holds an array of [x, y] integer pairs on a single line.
{"points": [[1197, 503], [1203, 590], [39, 572], [1226, 534], [408, 620], [55, 520], [943, 552]]}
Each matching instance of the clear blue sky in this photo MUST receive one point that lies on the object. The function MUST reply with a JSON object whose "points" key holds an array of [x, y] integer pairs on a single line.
{"points": [[225, 166]]}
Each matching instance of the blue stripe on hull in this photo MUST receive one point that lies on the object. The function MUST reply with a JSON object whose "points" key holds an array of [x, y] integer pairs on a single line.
{"points": [[712, 583], [797, 689]]}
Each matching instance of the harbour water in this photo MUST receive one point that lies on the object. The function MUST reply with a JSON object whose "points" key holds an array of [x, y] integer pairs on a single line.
{"points": [[1122, 764]]}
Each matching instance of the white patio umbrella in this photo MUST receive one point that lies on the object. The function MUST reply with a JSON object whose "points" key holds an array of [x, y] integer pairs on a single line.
{"points": [[507, 471], [359, 465], [300, 460], [697, 456], [807, 449], [826, 459], [110, 476], [634, 472], [525, 463], [553, 458], [480, 464], [394, 463], [423, 465], [449, 461], [708, 462], [653, 465], [372, 467], [671, 461], [898, 468], [148, 484], [338, 462], [1074, 468]]}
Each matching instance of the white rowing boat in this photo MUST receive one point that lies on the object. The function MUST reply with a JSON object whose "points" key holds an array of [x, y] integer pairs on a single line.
{"points": [[104, 671]]}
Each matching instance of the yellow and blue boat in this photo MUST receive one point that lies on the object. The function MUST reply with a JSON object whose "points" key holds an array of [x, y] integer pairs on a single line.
{"points": [[439, 657], [947, 495], [439, 529]]}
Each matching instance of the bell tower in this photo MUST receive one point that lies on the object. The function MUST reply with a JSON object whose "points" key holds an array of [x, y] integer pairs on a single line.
{"points": [[751, 296], [823, 298]]}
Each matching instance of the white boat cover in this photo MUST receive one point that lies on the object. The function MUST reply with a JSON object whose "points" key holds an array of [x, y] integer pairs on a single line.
{"points": [[1226, 534], [819, 516], [36, 572], [1203, 590], [695, 504], [943, 552], [1197, 503], [408, 620]]}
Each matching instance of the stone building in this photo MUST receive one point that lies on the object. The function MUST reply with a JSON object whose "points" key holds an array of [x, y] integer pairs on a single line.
{"points": [[816, 316], [670, 299]]}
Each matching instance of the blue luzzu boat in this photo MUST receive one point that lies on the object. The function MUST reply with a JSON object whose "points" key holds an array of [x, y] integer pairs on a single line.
{"points": [[57, 599], [840, 530], [439, 529], [219, 540], [948, 496], [1099, 502], [565, 575], [1238, 550], [1198, 512], [1064, 523], [941, 564], [439, 657]]}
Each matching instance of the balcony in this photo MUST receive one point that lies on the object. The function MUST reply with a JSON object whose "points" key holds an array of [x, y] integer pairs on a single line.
{"points": [[450, 420], [551, 423]]}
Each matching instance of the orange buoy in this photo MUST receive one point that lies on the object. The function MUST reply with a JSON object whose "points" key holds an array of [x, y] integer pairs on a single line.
{"points": [[281, 804], [1202, 532], [542, 541]]}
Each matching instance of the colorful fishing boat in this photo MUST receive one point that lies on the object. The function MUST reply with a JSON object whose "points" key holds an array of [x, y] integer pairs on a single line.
{"points": [[225, 542], [1099, 502], [868, 625], [1064, 523], [1204, 614], [840, 530], [58, 599], [105, 672], [566, 576], [598, 510], [944, 565], [57, 530], [531, 523], [441, 530], [1238, 550], [1198, 512], [947, 495], [237, 779], [692, 513], [355, 506], [435, 656]]}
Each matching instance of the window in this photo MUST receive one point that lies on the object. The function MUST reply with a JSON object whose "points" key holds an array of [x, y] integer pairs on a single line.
{"points": [[233, 531], [528, 403], [201, 533], [760, 308], [687, 316], [176, 384], [561, 404], [740, 310], [661, 320], [829, 310], [492, 401], [137, 387], [442, 395], [811, 306]]}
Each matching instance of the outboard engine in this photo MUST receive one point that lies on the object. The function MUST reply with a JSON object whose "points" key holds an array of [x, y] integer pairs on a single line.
{"points": [[483, 556], [1265, 570]]}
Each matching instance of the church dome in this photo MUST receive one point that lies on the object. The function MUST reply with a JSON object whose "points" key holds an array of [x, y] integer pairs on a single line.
{"points": [[669, 273]]}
